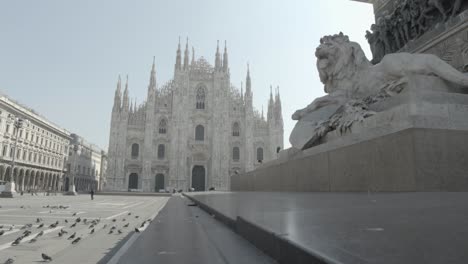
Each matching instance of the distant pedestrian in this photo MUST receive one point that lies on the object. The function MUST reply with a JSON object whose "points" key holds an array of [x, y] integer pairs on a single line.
{"points": [[92, 194]]}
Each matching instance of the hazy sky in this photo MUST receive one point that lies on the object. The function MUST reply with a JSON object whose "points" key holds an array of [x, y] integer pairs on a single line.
{"points": [[62, 58]]}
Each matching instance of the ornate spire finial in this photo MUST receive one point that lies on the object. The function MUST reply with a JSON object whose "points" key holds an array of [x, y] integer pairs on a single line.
{"points": [[193, 55]]}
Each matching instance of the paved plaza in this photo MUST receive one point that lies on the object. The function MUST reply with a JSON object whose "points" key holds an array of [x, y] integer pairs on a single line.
{"points": [[17, 213]]}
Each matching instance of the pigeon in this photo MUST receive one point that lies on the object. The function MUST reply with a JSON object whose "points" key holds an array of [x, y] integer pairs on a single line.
{"points": [[123, 220], [126, 225], [110, 231], [60, 234], [9, 261], [22, 206], [78, 220], [66, 221], [40, 226], [92, 231], [63, 231], [40, 234], [33, 240], [137, 230], [73, 225], [38, 220], [120, 231], [17, 241], [129, 213], [29, 225], [1, 226], [45, 257], [136, 216], [113, 220], [72, 236], [76, 240], [91, 226], [85, 221], [2, 232], [142, 224], [23, 227], [54, 225], [74, 214], [104, 226], [26, 233], [11, 228], [113, 227]]}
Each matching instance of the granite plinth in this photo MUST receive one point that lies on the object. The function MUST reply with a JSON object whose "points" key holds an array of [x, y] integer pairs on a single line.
{"points": [[352, 228]]}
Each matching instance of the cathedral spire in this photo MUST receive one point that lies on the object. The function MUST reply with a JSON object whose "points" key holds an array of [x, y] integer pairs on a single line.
{"points": [[270, 105], [248, 85], [218, 58], [278, 110], [193, 56], [186, 56], [225, 58], [242, 91], [152, 83], [125, 97], [118, 95], [178, 65]]}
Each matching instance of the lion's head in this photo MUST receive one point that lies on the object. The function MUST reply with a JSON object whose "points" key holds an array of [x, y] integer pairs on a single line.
{"points": [[338, 59]]}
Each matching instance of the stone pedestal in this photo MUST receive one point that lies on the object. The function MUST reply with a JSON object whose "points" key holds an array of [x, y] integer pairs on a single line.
{"points": [[9, 191], [71, 190], [418, 143]]}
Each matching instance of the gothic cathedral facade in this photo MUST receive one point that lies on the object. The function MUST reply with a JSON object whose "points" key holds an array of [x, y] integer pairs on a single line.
{"points": [[192, 132]]}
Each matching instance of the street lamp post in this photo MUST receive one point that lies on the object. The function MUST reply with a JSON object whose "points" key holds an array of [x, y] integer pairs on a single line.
{"points": [[71, 181], [18, 123]]}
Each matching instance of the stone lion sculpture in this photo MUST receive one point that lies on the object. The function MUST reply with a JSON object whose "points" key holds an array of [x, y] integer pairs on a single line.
{"points": [[351, 81]]}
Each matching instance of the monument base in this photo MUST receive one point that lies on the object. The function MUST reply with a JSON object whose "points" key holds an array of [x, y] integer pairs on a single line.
{"points": [[71, 190], [419, 143], [9, 191]]}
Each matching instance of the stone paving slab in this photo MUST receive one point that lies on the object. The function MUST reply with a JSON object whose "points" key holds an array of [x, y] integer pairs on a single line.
{"points": [[186, 234], [358, 227], [23, 210]]}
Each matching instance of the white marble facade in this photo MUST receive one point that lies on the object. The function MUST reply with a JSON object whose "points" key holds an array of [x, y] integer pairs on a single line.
{"points": [[192, 132]]}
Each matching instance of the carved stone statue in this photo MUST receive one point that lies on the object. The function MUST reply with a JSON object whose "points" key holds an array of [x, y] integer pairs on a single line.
{"points": [[351, 82], [409, 20]]}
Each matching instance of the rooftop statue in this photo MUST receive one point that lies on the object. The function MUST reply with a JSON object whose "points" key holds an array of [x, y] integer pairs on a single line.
{"points": [[352, 83]]}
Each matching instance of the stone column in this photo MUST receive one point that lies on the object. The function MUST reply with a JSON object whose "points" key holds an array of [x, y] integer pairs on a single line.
{"points": [[33, 183]]}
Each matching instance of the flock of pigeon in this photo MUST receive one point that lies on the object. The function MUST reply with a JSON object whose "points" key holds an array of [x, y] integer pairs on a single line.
{"points": [[92, 226]]}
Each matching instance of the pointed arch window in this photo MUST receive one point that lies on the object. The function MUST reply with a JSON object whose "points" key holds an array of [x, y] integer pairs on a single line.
{"points": [[235, 129], [135, 150], [163, 126], [235, 154], [200, 133], [200, 98], [260, 155], [161, 151]]}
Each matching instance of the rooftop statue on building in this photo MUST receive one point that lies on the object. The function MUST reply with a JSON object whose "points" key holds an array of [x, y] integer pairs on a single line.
{"points": [[352, 83]]}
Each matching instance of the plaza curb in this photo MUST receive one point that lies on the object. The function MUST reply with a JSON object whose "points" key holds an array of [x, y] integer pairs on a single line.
{"points": [[274, 245]]}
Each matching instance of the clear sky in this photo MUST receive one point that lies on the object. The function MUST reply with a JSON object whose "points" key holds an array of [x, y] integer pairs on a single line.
{"points": [[62, 58]]}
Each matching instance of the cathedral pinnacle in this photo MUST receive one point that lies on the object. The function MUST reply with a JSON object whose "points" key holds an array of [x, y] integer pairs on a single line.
{"points": [[218, 58], [193, 55], [225, 58], [152, 82], [118, 95], [248, 88], [178, 64], [125, 97], [186, 56]]}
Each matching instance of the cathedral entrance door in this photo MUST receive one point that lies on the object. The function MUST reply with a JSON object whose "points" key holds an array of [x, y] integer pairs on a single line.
{"points": [[133, 181], [198, 178], [159, 182]]}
